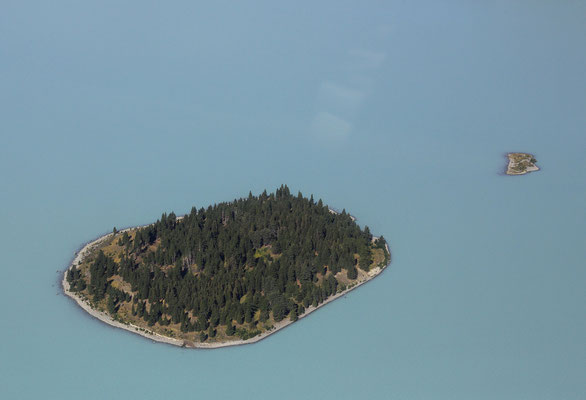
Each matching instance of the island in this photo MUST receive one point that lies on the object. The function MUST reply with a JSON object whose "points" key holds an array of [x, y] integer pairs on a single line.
{"points": [[230, 274], [521, 163]]}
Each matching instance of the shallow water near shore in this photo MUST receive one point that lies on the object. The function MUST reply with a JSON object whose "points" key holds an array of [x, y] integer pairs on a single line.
{"points": [[398, 113]]}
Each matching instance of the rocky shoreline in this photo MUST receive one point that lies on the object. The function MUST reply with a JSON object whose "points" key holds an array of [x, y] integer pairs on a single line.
{"points": [[521, 164]]}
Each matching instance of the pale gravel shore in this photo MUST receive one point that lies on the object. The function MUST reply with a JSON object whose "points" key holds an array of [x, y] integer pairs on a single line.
{"points": [[510, 166], [104, 317]]}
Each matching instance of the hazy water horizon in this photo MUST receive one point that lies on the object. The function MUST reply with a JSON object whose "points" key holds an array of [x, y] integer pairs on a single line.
{"points": [[400, 113]]}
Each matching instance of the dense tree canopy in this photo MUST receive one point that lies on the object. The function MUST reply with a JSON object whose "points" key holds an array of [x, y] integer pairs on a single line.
{"points": [[234, 264]]}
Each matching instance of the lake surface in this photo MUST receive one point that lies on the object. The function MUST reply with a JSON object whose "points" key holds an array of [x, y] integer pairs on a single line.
{"points": [[399, 112]]}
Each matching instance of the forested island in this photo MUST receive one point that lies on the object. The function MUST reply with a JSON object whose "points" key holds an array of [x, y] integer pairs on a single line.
{"points": [[229, 274], [521, 163]]}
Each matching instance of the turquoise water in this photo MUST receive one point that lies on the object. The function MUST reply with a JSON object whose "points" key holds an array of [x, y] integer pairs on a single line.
{"points": [[399, 112]]}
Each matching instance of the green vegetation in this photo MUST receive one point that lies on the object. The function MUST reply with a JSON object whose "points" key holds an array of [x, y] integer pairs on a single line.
{"points": [[521, 163], [231, 270]]}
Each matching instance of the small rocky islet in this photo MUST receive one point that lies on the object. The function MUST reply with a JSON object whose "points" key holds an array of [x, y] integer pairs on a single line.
{"points": [[521, 163]]}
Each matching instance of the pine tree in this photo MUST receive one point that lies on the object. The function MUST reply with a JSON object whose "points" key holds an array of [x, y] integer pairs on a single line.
{"points": [[352, 273], [112, 309], [230, 330], [293, 315]]}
